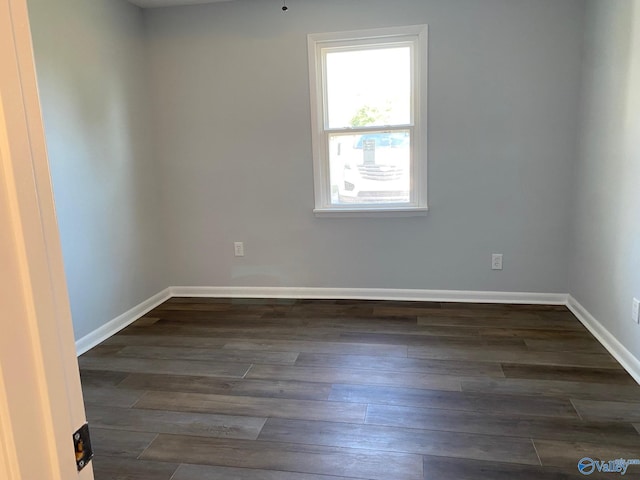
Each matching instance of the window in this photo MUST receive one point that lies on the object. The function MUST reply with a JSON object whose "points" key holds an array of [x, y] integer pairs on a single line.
{"points": [[368, 106]]}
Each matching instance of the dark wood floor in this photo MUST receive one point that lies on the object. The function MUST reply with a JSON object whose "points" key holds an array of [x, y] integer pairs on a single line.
{"points": [[217, 389]]}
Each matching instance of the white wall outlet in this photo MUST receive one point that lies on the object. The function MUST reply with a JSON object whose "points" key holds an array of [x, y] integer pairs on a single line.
{"points": [[238, 248], [635, 310], [496, 261]]}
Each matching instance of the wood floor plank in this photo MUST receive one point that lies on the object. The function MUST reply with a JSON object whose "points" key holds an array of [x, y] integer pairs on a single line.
{"points": [[394, 326], [443, 468], [174, 367], [567, 454], [235, 302], [283, 389], [267, 333], [253, 406], [115, 468], [166, 341], [500, 307], [550, 388], [191, 305], [400, 364], [458, 311], [608, 410], [146, 321], [212, 385], [102, 351], [578, 345], [287, 457], [536, 333], [178, 383], [110, 396], [410, 330], [509, 307], [482, 403], [195, 424], [336, 320], [354, 376], [315, 309], [189, 316], [501, 424], [120, 443], [616, 376], [427, 341], [339, 348], [540, 322], [101, 378], [223, 386], [203, 472], [406, 310], [395, 439], [208, 355], [509, 355], [296, 389], [224, 322]]}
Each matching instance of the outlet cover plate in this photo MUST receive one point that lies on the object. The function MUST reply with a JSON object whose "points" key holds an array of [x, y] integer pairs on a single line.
{"points": [[496, 261], [635, 311]]}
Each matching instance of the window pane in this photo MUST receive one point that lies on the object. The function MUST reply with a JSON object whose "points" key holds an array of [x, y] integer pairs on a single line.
{"points": [[369, 87], [371, 168]]}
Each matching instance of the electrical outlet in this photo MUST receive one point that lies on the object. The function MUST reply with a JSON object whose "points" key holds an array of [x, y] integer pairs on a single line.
{"points": [[238, 249], [635, 310], [496, 261]]}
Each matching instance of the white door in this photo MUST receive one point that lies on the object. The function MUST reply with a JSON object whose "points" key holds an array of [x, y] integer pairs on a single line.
{"points": [[40, 394]]}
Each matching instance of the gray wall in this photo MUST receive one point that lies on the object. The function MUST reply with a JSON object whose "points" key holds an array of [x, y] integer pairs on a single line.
{"points": [[605, 254], [191, 125], [231, 99], [91, 65]]}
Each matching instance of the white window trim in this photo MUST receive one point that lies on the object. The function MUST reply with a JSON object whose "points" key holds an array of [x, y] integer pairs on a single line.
{"points": [[418, 205]]}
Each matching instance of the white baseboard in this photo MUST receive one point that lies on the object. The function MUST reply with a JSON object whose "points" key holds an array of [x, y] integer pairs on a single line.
{"points": [[372, 294], [619, 351], [99, 335], [629, 362]]}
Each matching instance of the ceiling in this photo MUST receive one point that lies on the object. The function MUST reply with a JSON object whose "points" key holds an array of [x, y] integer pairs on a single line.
{"points": [[171, 3]]}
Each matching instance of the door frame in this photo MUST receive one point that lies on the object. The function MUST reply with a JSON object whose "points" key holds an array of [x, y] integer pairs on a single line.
{"points": [[41, 401]]}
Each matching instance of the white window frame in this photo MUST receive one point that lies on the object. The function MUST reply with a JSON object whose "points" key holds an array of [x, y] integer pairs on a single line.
{"points": [[417, 37]]}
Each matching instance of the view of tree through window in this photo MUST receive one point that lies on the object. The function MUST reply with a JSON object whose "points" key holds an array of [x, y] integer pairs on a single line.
{"points": [[369, 84]]}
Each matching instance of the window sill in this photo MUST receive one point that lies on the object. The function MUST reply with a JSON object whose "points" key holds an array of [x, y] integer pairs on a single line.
{"points": [[384, 212]]}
